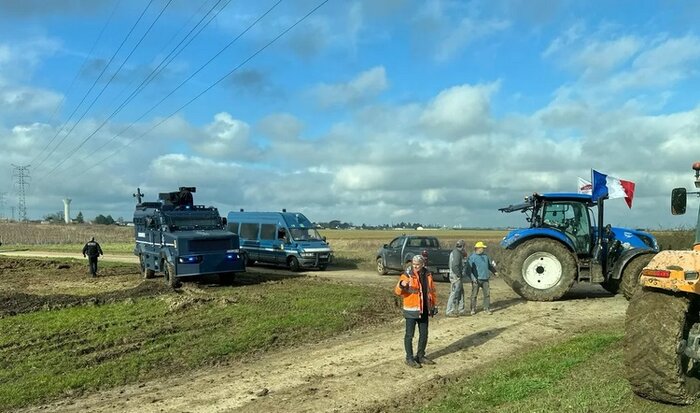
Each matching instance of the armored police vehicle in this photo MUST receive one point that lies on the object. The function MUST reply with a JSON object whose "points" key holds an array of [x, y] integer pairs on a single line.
{"points": [[286, 238], [183, 240]]}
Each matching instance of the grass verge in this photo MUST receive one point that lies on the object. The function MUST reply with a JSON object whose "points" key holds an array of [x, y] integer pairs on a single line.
{"points": [[49, 354], [583, 374]]}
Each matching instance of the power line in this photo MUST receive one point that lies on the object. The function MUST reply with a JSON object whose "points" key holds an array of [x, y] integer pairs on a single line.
{"points": [[287, 30], [77, 74], [21, 173], [105, 87], [104, 69], [152, 75], [201, 68]]}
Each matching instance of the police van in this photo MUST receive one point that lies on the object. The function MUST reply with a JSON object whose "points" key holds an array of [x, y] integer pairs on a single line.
{"points": [[283, 238]]}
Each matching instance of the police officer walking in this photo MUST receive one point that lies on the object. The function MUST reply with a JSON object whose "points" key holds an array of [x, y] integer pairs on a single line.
{"points": [[92, 250]]}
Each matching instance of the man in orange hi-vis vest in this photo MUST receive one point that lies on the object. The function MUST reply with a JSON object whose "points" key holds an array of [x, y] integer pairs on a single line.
{"points": [[419, 304]]}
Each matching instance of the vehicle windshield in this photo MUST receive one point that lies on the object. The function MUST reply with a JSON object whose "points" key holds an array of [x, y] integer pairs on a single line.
{"points": [[190, 222], [305, 234]]}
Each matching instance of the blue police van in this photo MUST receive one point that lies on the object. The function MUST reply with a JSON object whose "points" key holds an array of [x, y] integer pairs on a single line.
{"points": [[282, 238]]}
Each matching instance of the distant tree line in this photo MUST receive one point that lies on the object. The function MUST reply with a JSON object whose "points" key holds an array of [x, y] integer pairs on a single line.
{"points": [[57, 217], [337, 224]]}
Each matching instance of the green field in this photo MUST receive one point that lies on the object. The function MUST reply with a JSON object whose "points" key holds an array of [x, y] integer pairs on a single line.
{"points": [[581, 374]]}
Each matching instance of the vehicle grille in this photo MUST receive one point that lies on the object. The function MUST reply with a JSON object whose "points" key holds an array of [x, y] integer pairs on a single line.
{"points": [[203, 245]]}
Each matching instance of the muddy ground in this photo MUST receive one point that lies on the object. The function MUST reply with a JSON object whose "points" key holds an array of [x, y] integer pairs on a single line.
{"points": [[360, 371]]}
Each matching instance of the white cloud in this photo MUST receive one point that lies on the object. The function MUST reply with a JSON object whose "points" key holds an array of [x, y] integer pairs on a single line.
{"points": [[460, 110], [281, 126], [225, 137], [360, 89]]}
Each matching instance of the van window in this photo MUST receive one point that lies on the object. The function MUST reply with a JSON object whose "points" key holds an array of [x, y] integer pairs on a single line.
{"points": [[268, 231], [233, 227], [249, 231]]}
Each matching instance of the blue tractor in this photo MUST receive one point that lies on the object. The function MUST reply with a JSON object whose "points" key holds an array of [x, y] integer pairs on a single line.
{"points": [[563, 245]]}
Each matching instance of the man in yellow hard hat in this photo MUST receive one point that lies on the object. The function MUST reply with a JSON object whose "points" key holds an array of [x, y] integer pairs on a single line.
{"points": [[481, 267]]}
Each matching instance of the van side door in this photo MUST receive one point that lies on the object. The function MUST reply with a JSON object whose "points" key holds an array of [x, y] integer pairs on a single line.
{"points": [[249, 239], [269, 245]]}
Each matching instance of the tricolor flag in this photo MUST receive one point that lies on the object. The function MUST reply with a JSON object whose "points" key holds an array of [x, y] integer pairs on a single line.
{"points": [[584, 187], [604, 185]]}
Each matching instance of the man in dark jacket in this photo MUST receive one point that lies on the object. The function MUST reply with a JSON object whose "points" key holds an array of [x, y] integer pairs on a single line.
{"points": [[455, 303], [92, 250]]}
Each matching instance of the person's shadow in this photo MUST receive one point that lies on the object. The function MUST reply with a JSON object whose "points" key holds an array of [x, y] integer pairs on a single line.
{"points": [[503, 304], [470, 341]]}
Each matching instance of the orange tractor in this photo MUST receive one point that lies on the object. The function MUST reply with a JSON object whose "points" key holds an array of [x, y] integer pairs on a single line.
{"points": [[662, 327]]}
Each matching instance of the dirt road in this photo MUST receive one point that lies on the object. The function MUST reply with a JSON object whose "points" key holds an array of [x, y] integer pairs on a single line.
{"points": [[362, 371]]}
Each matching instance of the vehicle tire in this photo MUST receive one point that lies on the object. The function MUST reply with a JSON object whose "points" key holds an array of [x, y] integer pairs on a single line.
{"points": [[656, 323], [629, 281], [611, 286], [541, 270], [248, 261], [293, 264], [322, 267], [381, 269], [147, 272], [170, 276]]}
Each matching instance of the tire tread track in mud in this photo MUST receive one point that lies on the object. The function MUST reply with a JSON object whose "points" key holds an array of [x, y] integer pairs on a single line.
{"points": [[654, 327], [629, 283], [514, 277]]}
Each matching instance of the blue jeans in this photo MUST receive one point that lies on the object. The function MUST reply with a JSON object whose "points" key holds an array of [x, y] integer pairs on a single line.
{"points": [[422, 323], [455, 303]]}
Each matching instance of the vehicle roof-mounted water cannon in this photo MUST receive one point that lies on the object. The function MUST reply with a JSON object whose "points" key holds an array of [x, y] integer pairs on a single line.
{"points": [[181, 198], [679, 201]]}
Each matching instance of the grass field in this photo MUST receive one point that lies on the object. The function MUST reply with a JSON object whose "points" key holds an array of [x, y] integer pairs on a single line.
{"points": [[582, 374], [83, 345]]}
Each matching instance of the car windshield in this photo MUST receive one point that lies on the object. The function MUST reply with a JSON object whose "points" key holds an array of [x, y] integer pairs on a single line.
{"points": [[305, 234]]}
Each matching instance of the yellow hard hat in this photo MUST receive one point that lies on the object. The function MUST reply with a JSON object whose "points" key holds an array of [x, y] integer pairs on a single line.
{"points": [[479, 245]]}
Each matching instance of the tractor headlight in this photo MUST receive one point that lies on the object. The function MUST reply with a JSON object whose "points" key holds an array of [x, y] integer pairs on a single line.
{"points": [[307, 254]]}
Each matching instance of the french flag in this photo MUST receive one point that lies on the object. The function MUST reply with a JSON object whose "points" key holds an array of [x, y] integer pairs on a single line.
{"points": [[611, 187]]}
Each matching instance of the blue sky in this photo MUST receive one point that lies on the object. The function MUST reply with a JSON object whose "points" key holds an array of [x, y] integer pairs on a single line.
{"points": [[367, 111]]}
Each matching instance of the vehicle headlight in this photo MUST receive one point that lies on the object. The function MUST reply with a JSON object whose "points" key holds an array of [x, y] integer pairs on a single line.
{"points": [[192, 259], [307, 254]]}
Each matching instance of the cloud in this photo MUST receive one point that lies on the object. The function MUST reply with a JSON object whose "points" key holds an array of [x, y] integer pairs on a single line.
{"points": [[460, 110], [363, 87], [254, 82], [225, 137], [281, 127], [23, 101], [447, 28], [468, 30], [613, 62]]}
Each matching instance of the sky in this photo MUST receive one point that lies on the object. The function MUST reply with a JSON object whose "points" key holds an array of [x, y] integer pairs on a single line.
{"points": [[366, 111]]}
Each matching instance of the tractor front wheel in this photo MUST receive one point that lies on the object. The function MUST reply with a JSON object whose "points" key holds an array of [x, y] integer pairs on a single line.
{"points": [[656, 328], [629, 283], [541, 270]]}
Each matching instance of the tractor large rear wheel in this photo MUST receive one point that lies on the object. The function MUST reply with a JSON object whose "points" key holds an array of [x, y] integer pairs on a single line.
{"points": [[656, 323], [540, 270], [629, 283]]}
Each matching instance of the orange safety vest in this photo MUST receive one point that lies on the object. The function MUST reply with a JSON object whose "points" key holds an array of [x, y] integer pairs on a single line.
{"points": [[413, 295]]}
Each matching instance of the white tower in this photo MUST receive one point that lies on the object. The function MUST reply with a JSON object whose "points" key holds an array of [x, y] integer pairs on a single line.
{"points": [[66, 210]]}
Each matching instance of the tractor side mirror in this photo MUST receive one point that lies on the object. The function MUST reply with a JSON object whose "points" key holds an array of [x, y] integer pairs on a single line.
{"points": [[224, 222], [679, 198]]}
